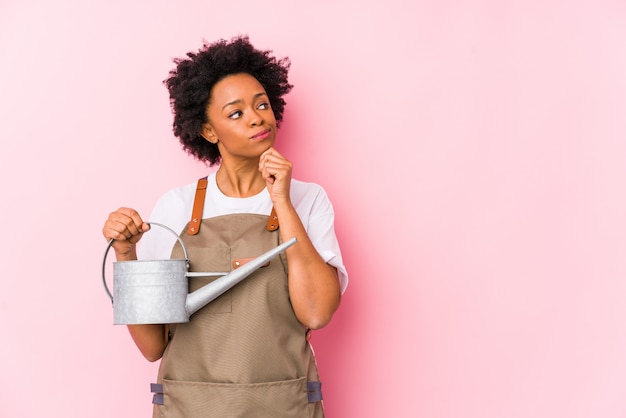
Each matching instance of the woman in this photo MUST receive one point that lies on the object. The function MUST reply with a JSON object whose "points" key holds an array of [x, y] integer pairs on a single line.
{"points": [[246, 354]]}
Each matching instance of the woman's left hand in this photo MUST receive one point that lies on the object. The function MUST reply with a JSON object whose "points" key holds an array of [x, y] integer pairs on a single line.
{"points": [[313, 285], [276, 171]]}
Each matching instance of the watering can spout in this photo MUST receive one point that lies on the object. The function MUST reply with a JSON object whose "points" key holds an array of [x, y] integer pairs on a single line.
{"points": [[201, 297]]}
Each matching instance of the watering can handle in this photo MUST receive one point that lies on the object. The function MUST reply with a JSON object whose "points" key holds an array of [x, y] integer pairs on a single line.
{"points": [[106, 253]]}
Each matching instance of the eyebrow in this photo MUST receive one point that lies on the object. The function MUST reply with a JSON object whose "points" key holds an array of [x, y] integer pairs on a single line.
{"points": [[256, 96]]}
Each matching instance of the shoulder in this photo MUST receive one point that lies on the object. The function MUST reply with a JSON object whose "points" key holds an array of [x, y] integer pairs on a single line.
{"points": [[173, 210], [311, 202], [305, 191], [174, 206], [304, 187], [310, 196], [177, 195]]}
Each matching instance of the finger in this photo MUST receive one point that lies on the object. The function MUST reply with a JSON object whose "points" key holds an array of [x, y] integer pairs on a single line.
{"points": [[279, 168], [271, 155], [131, 220], [138, 224], [267, 175], [117, 230], [273, 152], [274, 169], [124, 224], [268, 151], [274, 158]]}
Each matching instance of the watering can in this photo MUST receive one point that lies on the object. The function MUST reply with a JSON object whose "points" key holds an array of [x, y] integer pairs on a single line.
{"points": [[157, 291]]}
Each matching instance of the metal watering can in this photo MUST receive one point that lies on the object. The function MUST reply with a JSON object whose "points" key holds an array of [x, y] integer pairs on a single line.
{"points": [[157, 291]]}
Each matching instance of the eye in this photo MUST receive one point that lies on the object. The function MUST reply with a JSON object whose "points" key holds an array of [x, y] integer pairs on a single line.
{"points": [[235, 115], [263, 106]]}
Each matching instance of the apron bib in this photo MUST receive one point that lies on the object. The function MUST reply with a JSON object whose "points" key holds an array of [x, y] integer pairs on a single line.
{"points": [[245, 354]]}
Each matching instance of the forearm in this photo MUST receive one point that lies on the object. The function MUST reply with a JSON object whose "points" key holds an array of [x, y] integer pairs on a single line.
{"points": [[313, 284], [151, 339]]}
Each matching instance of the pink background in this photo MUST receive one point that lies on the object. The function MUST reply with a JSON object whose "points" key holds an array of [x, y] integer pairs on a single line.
{"points": [[475, 153]]}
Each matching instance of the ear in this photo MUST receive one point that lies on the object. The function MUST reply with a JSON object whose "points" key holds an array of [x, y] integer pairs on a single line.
{"points": [[209, 134]]}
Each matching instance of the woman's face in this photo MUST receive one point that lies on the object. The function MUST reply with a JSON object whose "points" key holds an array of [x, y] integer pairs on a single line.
{"points": [[241, 120]]}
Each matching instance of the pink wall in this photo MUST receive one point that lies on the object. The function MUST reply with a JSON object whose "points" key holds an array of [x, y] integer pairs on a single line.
{"points": [[475, 153]]}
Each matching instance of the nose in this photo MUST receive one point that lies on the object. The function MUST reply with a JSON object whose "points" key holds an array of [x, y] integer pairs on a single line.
{"points": [[256, 118]]}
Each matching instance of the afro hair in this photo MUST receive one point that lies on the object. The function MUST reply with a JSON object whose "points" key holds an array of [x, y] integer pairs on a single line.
{"points": [[191, 82]]}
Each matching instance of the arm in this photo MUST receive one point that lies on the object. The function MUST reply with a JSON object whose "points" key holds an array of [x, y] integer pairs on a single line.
{"points": [[313, 284], [126, 227], [151, 339]]}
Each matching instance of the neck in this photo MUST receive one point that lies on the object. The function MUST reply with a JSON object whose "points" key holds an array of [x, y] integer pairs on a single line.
{"points": [[243, 180]]}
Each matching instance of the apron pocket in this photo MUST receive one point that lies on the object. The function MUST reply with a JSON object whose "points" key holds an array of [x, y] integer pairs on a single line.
{"points": [[284, 399], [218, 260]]}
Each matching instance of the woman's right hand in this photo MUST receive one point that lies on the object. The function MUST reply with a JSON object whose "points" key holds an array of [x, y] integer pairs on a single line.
{"points": [[126, 227]]}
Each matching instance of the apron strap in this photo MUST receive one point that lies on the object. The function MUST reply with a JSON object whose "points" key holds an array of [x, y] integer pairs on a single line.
{"points": [[198, 208], [272, 223]]}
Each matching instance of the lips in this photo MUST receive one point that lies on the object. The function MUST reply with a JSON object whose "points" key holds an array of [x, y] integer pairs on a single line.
{"points": [[261, 135]]}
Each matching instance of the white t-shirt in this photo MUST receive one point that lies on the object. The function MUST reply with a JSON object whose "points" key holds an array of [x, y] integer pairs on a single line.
{"points": [[174, 209]]}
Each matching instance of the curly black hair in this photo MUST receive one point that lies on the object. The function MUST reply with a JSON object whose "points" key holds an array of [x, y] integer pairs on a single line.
{"points": [[191, 82]]}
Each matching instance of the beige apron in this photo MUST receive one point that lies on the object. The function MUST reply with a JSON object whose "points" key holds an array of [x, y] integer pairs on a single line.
{"points": [[245, 354]]}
